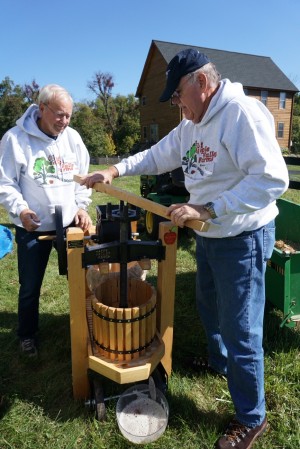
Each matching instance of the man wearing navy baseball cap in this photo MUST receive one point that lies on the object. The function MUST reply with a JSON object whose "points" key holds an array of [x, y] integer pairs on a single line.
{"points": [[185, 62], [234, 171]]}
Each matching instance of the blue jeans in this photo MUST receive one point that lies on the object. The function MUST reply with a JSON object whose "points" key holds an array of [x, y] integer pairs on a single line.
{"points": [[33, 256], [231, 301]]}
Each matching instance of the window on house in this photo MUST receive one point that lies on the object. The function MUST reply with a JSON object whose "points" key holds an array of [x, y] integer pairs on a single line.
{"points": [[154, 132], [282, 100], [143, 100], [280, 130], [264, 97], [145, 132]]}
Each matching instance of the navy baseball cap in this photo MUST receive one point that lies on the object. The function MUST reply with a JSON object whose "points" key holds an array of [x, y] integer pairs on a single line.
{"points": [[186, 61]]}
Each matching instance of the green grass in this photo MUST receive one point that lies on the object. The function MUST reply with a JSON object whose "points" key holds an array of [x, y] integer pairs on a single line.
{"points": [[37, 409]]}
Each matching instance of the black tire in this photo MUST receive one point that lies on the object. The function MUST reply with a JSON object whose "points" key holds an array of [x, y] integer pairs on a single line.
{"points": [[152, 224]]}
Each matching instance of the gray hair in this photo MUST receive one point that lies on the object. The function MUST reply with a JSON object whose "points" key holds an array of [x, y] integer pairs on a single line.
{"points": [[211, 73], [51, 91]]}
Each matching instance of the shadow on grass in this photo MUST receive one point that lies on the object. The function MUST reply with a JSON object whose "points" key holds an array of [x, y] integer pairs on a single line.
{"points": [[185, 410], [189, 334], [276, 338], [45, 381], [189, 337]]}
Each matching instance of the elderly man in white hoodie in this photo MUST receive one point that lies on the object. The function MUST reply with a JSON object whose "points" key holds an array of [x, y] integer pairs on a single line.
{"points": [[234, 172], [38, 159]]}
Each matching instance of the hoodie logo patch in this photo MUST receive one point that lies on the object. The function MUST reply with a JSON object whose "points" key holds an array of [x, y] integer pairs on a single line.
{"points": [[51, 170], [199, 160]]}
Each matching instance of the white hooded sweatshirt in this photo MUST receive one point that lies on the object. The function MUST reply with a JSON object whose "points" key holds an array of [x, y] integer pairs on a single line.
{"points": [[36, 172], [231, 158]]}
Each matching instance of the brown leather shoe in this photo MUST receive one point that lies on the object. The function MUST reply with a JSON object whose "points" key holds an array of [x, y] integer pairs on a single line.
{"points": [[239, 436]]}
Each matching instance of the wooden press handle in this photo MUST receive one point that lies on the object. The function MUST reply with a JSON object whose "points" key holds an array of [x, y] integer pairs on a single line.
{"points": [[143, 203]]}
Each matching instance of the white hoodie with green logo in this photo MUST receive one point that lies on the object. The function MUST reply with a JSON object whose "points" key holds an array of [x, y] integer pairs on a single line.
{"points": [[231, 158], [36, 172]]}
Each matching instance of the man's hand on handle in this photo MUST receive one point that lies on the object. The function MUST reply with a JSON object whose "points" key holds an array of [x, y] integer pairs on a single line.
{"points": [[83, 220], [105, 176], [180, 213]]}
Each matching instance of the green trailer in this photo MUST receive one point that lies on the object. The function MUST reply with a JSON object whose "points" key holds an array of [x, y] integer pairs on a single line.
{"points": [[283, 269]]}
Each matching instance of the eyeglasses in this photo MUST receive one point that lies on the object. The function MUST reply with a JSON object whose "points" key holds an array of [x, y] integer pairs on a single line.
{"points": [[58, 115], [175, 98]]}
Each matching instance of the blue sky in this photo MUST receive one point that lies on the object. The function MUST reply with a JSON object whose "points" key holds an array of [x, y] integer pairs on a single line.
{"points": [[67, 41]]}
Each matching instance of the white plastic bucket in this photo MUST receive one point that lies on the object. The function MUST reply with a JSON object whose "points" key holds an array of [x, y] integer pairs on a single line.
{"points": [[141, 418]]}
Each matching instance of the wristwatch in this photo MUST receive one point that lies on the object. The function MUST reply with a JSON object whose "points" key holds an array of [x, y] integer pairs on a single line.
{"points": [[210, 207]]}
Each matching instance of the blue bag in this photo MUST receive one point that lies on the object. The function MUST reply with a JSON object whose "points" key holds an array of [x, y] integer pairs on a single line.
{"points": [[6, 241]]}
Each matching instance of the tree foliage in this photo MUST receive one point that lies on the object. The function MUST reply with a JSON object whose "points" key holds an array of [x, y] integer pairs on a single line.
{"points": [[14, 100], [127, 131], [101, 85], [120, 114], [92, 131], [108, 125], [31, 92], [12, 104]]}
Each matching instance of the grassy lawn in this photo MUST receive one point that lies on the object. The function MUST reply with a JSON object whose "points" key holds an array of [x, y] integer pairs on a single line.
{"points": [[37, 409]]}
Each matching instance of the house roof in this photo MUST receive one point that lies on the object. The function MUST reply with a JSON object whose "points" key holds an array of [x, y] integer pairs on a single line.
{"points": [[251, 70]]}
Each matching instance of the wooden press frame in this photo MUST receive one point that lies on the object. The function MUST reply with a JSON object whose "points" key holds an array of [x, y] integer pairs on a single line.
{"points": [[82, 356]]}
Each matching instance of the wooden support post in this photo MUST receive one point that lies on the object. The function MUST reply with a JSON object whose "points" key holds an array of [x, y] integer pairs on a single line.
{"points": [[168, 234], [78, 322]]}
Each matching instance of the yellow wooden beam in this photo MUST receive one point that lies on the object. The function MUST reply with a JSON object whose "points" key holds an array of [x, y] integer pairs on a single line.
{"points": [[143, 203]]}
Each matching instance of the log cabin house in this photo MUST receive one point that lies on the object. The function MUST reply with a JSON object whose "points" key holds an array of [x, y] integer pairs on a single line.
{"points": [[259, 75]]}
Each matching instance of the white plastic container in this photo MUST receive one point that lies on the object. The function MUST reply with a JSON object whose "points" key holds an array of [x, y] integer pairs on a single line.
{"points": [[142, 418]]}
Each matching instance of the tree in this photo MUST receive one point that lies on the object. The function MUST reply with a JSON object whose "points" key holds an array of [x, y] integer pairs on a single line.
{"points": [[101, 86], [92, 131], [296, 125], [31, 92], [127, 131], [12, 104], [119, 115]]}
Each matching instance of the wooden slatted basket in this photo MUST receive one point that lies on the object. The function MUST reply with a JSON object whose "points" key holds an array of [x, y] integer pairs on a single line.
{"points": [[123, 333]]}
